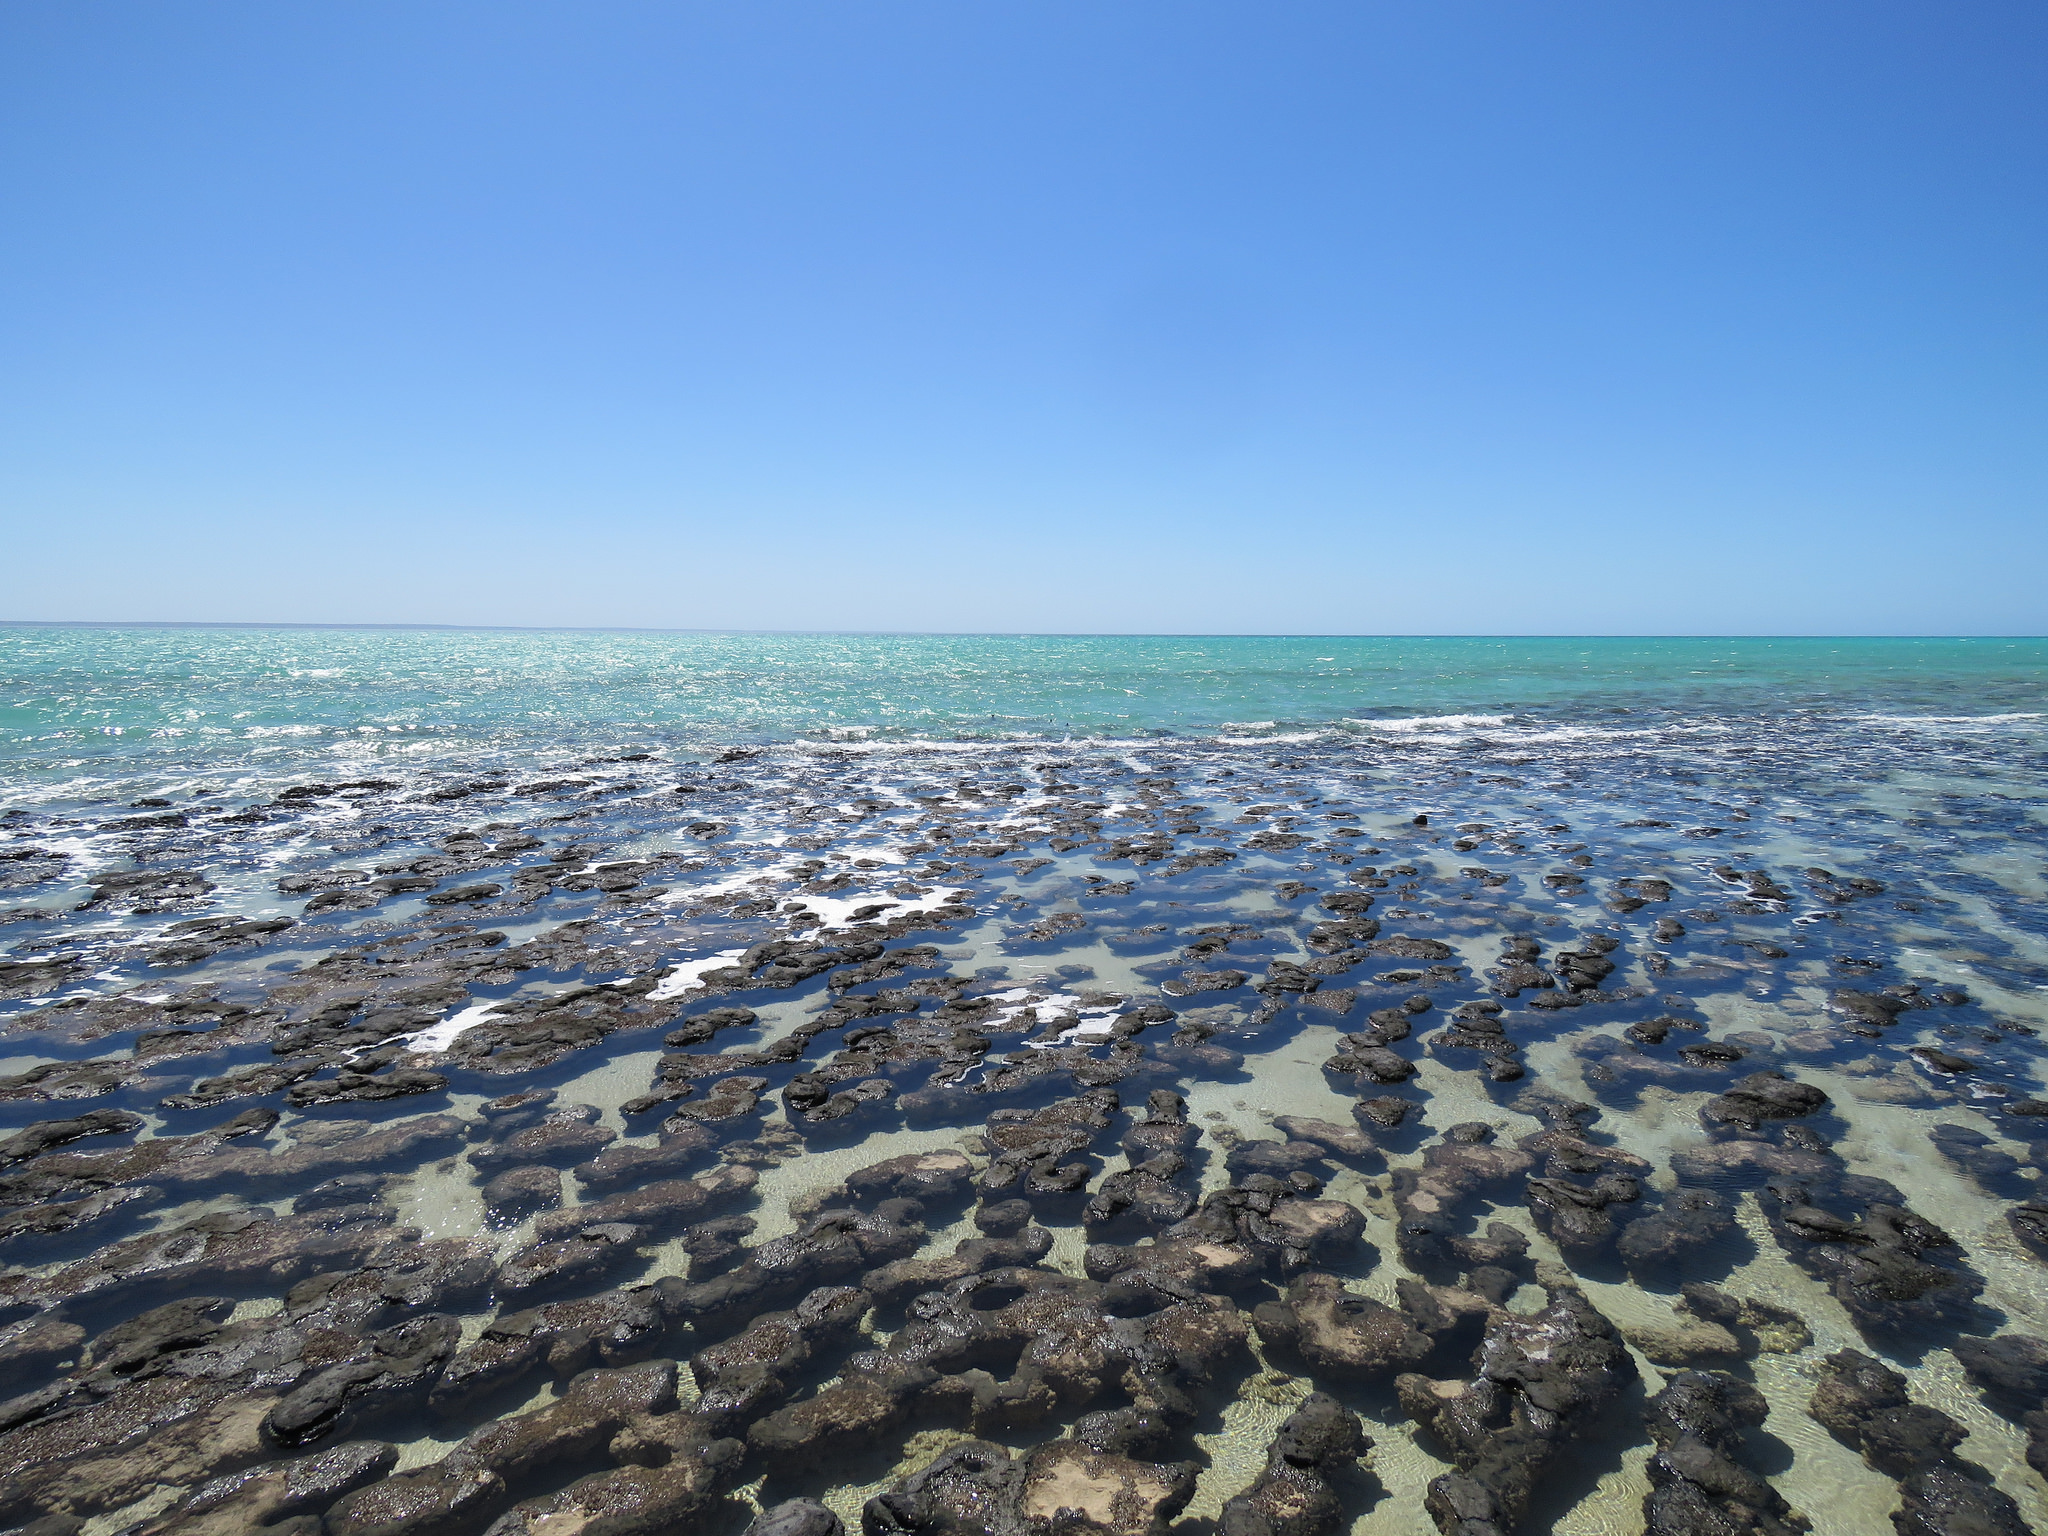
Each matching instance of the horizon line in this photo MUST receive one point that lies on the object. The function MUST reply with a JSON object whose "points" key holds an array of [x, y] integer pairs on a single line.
{"points": [[973, 634]]}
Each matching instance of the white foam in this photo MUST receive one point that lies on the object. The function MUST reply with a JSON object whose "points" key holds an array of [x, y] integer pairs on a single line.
{"points": [[1009, 743], [878, 853], [738, 882], [1918, 721], [1095, 1021], [684, 974], [1576, 733], [1410, 724], [438, 1037], [837, 911]]}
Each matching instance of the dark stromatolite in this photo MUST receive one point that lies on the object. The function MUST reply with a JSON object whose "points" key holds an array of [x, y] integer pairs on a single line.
{"points": [[1538, 1378], [1891, 1268], [280, 1496], [611, 1329], [1339, 1336], [745, 1377], [829, 1249], [395, 1368], [1430, 1200], [1759, 1097], [1698, 1483], [1074, 1342], [979, 1489], [675, 1471], [1294, 1496]]}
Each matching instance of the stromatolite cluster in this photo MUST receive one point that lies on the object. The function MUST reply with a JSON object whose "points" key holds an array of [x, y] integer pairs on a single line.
{"points": [[808, 1169]]}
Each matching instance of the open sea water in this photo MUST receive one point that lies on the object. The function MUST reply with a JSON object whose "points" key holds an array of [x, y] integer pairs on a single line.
{"points": [[221, 699], [213, 834]]}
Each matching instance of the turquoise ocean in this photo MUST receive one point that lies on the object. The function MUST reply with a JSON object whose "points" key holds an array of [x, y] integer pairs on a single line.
{"points": [[85, 705]]}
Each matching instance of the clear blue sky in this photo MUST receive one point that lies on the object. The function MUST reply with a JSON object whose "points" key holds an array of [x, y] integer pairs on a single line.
{"points": [[1117, 315]]}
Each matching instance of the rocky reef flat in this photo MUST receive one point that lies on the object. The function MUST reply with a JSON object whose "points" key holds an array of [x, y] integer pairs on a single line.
{"points": [[1100, 1140]]}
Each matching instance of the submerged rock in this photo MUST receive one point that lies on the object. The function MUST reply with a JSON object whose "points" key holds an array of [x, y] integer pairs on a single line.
{"points": [[1716, 1326], [677, 1152], [246, 1248], [934, 1179], [1073, 1342], [520, 1191], [660, 1208], [1864, 1404], [1429, 1200], [610, 1329], [558, 1138], [750, 1374], [1891, 1268], [895, 1283], [393, 1370], [562, 1263], [1759, 1097], [2012, 1372], [55, 1216], [1688, 1221]]}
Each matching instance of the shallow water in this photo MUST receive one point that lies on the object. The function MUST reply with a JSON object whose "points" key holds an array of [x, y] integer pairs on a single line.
{"points": [[1916, 766]]}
